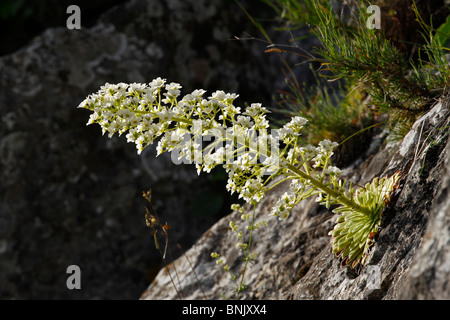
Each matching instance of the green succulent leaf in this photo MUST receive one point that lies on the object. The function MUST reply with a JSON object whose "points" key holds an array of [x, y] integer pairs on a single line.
{"points": [[352, 236]]}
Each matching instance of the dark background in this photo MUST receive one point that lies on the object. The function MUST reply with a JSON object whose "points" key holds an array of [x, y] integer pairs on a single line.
{"points": [[21, 20], [69, 195]]}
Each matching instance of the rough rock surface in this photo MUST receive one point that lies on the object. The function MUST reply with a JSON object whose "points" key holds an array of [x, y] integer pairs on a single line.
{"points": [[430, 270], [69, 195], [408, 260]]}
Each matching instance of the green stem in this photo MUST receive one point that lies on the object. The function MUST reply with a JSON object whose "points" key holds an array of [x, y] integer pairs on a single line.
{"points": [[340, 197], [247, 255], [335, 194]]}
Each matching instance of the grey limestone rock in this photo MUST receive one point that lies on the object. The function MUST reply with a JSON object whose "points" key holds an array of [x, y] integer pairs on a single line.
{"points": [[408, 260]]}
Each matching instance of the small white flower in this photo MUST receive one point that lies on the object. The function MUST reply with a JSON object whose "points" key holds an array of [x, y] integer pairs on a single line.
{"points": [[208, 163], [157, 83], [290, 155], [298, 121], [231, 96], [261, 122], [309, 152], [113, 128], [230, 167], [165, 115], [107, 115], [244, 121], [136, 87], [332, 171], [162, 145], [327, 147], [147, 99], [198, 93], [173, 86], [253, 190], [197, 127], [125, 114], [238, 132], [92, 118], [218, 95], [173, 91], [134, 121], [219, 155], [132, 135], [175, 138], [255, 109], [293, 127], [206, 107], [272, 163], [230, 111], [231, 186], [283, 206], [296, 186]]}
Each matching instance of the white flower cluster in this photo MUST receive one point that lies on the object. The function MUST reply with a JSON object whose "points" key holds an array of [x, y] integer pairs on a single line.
{"points": [[298, 190], [292, 129], [155, 111], [212, 131]]}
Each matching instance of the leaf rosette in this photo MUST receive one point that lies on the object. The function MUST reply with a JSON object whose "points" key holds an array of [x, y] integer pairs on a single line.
{"points": [[354, 232]]}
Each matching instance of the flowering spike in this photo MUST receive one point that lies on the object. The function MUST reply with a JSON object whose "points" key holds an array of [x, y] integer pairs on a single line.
{"points": [[240, 141]]}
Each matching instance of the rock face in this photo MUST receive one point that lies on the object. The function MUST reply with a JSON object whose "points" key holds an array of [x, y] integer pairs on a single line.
{"points": [[409, 259], [430, 270], [70, 196]]}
